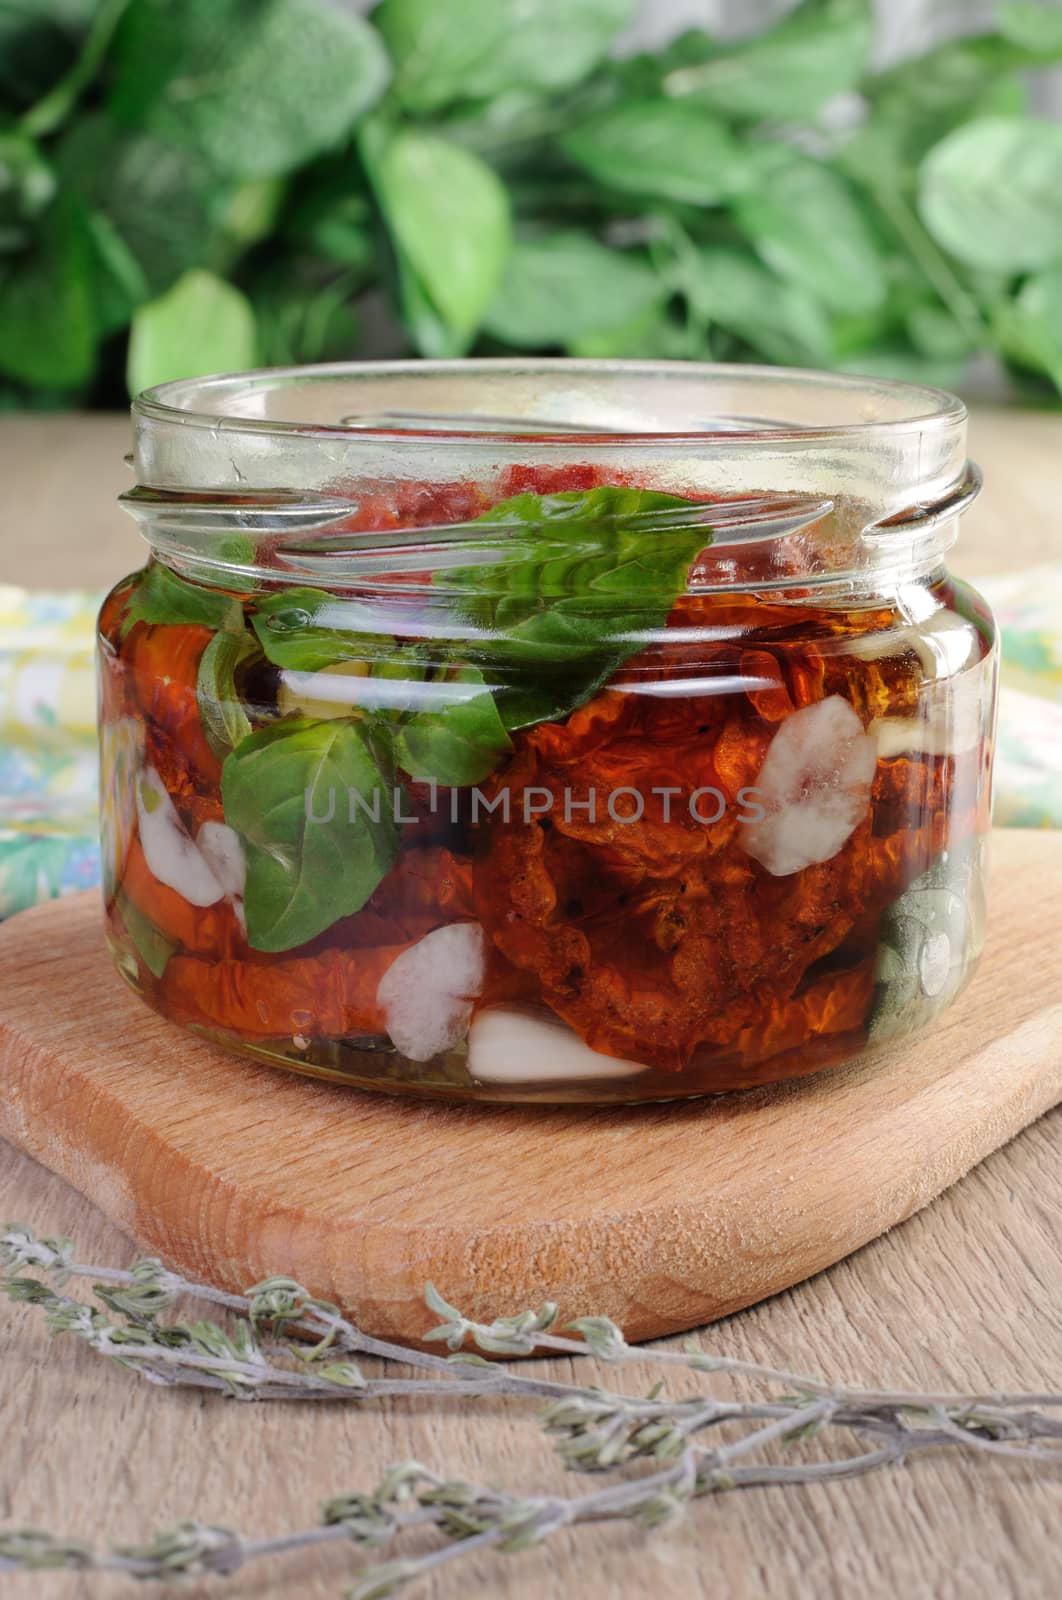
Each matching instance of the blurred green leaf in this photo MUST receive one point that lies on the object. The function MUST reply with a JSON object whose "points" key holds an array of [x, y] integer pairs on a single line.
{"points": [[331, 216], [27, 185], [669, 149], [304, 313], [916, 224], [448, 214], [47, 322], [653, 335], [164, 203], [257, 86], [782, 321], [991, 193], [475, 49], [819, 51], [916, 103], [201, 325], [1030, 326], [39, 42], [52, 110], [807, 224], [249, 213], [935, 333], [563, 286], [1033, 26], [902, 363], [118, 281]]}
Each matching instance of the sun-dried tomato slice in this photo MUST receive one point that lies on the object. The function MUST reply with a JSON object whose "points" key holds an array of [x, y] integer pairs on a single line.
{"points": [[163, 664], [661, 938], [332, 995]]}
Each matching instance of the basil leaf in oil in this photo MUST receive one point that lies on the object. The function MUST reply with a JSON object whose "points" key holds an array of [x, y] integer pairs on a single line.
{"points": [[930, 938], [221, 711], [459, 743], [151, 945], [578, 582], [161, 596], [306, 629], [314, 802]]}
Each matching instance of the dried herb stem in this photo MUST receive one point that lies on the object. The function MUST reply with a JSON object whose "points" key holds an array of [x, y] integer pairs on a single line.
{"points": [[279, 1342]]}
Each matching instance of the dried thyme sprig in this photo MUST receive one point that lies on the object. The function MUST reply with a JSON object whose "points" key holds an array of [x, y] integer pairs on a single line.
{"points": [[469, 1516], [256, 1356]]}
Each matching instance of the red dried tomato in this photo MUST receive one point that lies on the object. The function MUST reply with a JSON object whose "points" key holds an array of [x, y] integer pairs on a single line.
{"points": [[661, 938], [332, 995], [205, 930]]}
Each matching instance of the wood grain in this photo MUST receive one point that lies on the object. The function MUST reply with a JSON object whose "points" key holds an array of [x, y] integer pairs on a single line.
{"points": [[662, 1217]]}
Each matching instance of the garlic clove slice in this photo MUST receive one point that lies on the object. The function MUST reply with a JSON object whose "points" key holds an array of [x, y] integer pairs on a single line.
{"points": [[169, 849], [814, 785], [427, 993], [514, 1044], [222, 849]]}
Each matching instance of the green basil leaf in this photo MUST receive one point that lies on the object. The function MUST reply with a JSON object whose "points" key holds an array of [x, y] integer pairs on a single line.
{"points": [[47, 320], [150, 944], [307, 629], [989, 193], [194, 74], [808, 226], [221, 712], [201, 325], [667, 149], [476, 49], [162, 596], [303, 874], [462, 741], [819, 51], [783, 321], [565, 603], [448, 213], [562, 286]]}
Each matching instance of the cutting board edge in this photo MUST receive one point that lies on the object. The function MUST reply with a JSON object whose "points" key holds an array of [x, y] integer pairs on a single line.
{"points": [[768, 1265]]}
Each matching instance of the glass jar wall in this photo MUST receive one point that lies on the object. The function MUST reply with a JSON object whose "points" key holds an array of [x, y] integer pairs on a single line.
{"points": [[550, 731]]}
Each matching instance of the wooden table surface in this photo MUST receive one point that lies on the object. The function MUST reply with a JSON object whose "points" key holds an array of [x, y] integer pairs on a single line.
{"points": [[966, 1294]]}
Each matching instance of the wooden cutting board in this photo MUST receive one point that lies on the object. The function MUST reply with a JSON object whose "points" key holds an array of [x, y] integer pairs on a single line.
{"points": [[662, 1216]]}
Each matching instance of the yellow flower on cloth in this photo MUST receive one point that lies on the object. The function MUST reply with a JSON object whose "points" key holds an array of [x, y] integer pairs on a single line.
{"points": [[48, 762], [1028, 609]]}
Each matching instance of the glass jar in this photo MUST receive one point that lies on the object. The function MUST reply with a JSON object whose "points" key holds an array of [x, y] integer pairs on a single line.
{"points": [[551, 730]]}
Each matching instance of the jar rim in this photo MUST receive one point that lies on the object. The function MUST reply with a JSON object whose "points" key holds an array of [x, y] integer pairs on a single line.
{"points": [[911, 406]]}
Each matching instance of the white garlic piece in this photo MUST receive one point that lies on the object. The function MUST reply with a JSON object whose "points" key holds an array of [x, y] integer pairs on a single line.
{"points": [[222, 849], [514, 1044], [169, 849], [814, 785], [427, 993]]}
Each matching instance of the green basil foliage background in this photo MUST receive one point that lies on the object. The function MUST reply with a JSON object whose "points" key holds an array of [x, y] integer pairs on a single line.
{"points": [[195, 185]]}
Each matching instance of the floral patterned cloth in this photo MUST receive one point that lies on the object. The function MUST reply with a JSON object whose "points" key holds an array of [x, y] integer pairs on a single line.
{"points": [[48, 761]]}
